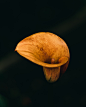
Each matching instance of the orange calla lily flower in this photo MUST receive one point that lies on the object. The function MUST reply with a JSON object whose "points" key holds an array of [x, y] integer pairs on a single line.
{"points": [[48, 50]]}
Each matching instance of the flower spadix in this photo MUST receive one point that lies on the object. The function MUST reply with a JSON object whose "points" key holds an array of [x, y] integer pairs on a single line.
{"points": [[48, 50]]}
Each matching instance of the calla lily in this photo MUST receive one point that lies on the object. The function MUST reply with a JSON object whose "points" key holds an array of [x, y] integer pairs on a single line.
{"points": [[48, 50]]}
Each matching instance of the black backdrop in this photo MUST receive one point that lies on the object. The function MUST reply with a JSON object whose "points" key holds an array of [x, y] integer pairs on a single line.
{"points": [[22, 83]]}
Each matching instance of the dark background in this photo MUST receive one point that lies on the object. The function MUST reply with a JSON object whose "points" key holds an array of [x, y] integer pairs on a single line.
{"points": [[22, 83]]}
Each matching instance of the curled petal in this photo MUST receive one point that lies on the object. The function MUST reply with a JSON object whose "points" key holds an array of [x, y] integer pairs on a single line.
{"points": [[45, 49]]}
